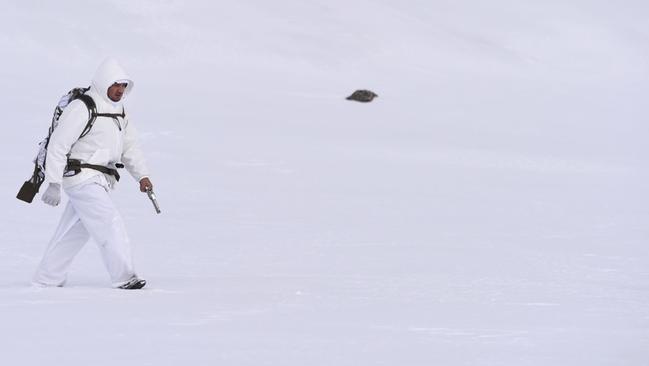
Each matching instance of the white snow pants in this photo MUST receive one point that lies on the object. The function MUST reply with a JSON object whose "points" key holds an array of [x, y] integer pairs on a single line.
{"points": [[90, 213]]}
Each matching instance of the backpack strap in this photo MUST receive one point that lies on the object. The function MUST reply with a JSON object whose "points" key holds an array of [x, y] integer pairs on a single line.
{"points": [[114, 116], [92, 110]]}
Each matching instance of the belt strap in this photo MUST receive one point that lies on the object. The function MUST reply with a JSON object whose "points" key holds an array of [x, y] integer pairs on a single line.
{"points": [[76, 166]]}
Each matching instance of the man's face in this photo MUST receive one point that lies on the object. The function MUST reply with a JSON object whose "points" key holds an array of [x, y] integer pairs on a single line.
{"points": [[116, 91]]}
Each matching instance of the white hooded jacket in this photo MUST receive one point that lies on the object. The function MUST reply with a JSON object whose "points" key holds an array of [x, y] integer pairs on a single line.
{"points": [[109, 141]]}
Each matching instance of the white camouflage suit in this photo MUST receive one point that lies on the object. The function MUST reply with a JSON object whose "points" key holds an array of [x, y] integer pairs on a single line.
{"points": [[90, 212]]}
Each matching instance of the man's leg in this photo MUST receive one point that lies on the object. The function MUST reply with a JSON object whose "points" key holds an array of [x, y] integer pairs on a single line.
{"points": [[106, 226], [69, 238]]}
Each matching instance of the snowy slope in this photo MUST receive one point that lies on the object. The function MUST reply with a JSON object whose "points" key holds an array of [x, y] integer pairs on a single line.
{"points": [[489, 208]]}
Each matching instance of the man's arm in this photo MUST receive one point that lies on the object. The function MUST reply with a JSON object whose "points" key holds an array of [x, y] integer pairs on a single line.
{"points": [[133, 158], [71, 124]]}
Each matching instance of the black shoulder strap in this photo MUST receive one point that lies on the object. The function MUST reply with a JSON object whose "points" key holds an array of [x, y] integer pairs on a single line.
{"points": [[113, 115], [92, 110]]}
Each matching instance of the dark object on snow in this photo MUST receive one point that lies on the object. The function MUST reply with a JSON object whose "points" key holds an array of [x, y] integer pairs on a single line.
{"points": [[362, 96]]}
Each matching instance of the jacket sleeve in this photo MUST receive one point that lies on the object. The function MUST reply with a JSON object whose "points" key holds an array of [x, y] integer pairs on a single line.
{"points": [[132, 156], [71, 124]]}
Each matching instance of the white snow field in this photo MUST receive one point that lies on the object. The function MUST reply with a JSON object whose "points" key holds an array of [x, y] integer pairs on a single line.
{"points": [[489, 208]]}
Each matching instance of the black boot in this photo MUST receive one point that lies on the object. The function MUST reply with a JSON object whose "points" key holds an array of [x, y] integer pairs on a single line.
{"points": [[133, 284]]}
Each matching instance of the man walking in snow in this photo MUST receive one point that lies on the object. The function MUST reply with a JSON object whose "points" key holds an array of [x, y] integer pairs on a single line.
{"points": [[86, 169]]}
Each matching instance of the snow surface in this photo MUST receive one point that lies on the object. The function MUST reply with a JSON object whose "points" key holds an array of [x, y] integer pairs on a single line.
{"points": [[489, 208]]}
